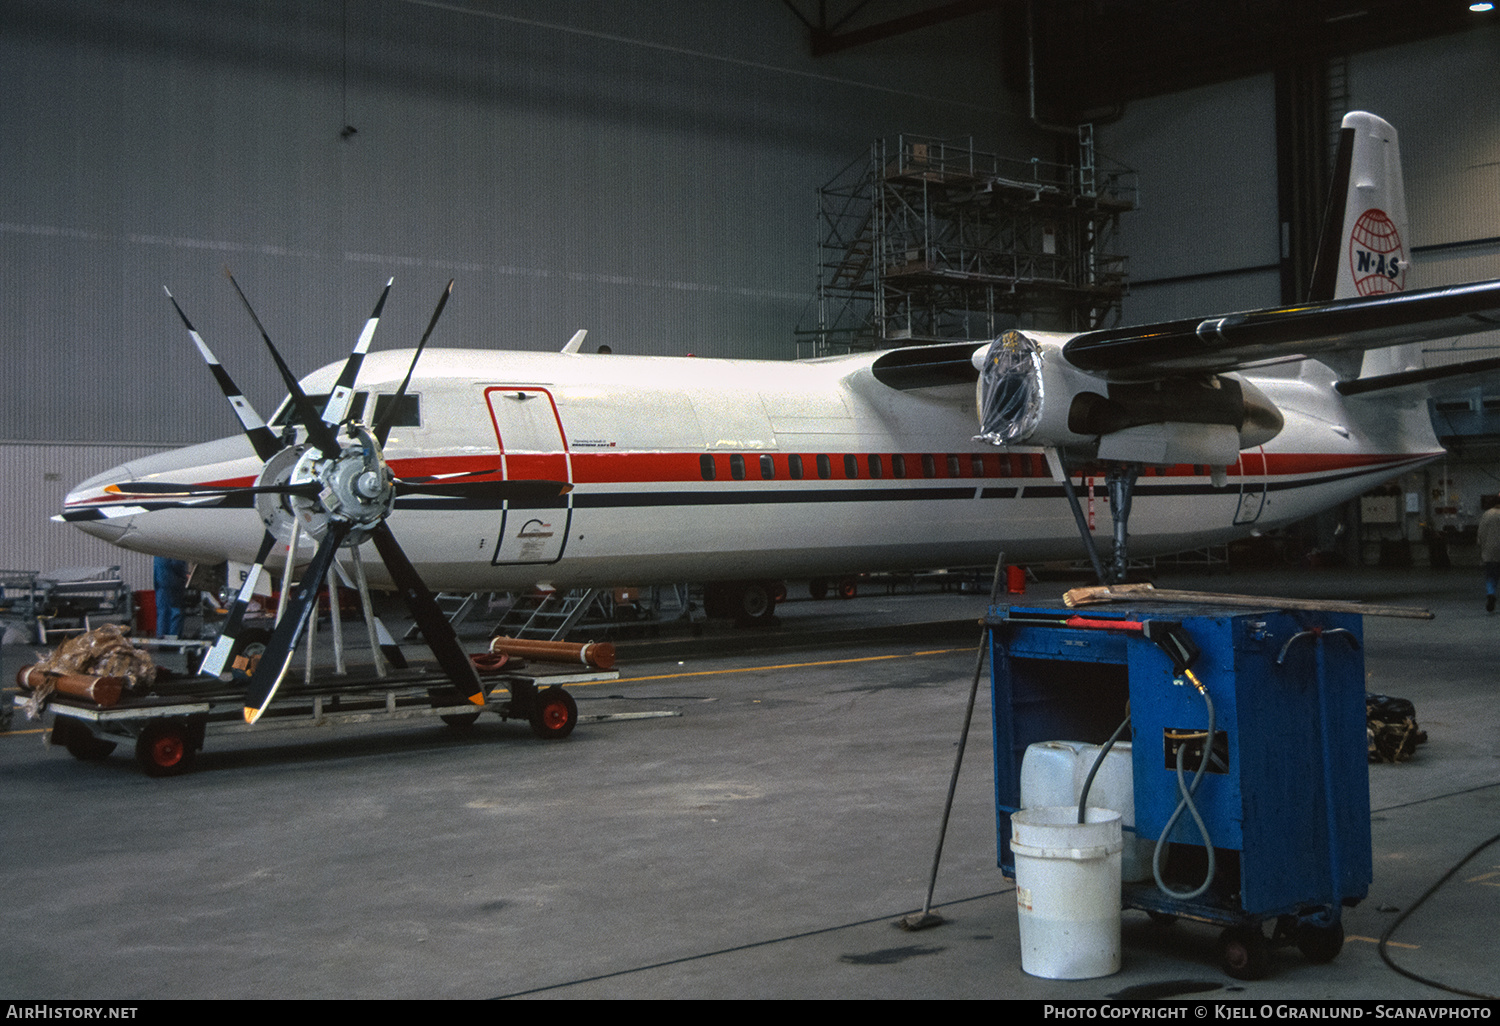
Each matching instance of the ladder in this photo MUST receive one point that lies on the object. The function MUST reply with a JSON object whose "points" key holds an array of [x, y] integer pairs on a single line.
{"points": [[548, 615]]}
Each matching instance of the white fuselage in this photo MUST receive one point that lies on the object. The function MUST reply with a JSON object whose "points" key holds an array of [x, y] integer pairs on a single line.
{"points": [[701, 470]]}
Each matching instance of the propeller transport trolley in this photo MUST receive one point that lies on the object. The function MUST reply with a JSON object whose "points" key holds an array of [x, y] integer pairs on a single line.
{"points": [[1269, 821], [325, 480], [169, 722]]}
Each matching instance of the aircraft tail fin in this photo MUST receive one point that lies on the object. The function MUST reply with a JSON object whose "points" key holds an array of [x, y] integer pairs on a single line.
{"points": [[1363, 250]]}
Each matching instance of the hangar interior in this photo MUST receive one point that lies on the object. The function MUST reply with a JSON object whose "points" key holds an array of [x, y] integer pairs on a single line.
{"points": [[651, 170], [650, 173]]}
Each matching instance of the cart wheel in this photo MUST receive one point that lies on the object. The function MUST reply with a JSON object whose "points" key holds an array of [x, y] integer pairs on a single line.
{"points": [[1244, 952], [1320, 944], [165, 749], [79, 742], [848, 589], [554, 715], [450, 696]]}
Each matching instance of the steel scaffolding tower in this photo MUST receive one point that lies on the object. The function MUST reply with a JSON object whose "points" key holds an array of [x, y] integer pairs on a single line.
{"points": [[930, 240]]}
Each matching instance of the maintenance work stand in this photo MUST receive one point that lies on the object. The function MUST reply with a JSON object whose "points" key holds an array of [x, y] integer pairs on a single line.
{"points": [[1284, 799]]}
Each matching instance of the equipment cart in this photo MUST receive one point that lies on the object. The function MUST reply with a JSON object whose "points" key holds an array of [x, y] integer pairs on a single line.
{"points": [[1285, 796], [169, 724]]}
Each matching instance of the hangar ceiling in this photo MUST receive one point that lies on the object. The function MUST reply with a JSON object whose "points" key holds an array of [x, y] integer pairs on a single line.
{"points": [[1092, 56]]}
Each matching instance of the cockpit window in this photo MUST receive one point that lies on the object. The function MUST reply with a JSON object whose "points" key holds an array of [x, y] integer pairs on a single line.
{"points": [[408, 414]]}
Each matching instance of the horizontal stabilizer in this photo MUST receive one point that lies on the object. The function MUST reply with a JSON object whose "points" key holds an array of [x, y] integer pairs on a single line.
{"points": [[1237, 341], [1425, 383]]}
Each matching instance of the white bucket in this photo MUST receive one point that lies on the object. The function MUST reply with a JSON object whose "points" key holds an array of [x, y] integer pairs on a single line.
{"points": [[1068, 891]]}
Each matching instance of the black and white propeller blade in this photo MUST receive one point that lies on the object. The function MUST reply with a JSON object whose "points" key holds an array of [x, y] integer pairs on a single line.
{"points": [[319, 433], [278, 654], [260, 436], [337, 407], [428, 616], [223, 648], [382, 427]]}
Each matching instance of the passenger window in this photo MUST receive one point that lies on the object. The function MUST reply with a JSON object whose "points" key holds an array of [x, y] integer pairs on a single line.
{"points": [[706, 467], [737, 467], [929, 465], [954, 467], [876, 468], [825, 466], [794, 466], [767, 468], [898, 465], [851, 466]]}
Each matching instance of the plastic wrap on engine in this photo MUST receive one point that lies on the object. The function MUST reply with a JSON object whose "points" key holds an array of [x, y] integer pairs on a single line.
{"points": [[103, 652], [1010, 390]]}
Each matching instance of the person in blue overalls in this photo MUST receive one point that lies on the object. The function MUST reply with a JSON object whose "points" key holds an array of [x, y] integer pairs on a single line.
{"points": [[171, 577]]}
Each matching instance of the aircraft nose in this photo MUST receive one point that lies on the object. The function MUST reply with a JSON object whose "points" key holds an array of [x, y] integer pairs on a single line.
{"points": [[94, 511]]}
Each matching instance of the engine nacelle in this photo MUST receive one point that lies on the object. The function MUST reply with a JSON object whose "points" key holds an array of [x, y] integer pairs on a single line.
{"points": [[1030, 395]]}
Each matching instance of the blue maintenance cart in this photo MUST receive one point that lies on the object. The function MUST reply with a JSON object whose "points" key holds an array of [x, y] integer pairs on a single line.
{"points": [[1285, 797]]}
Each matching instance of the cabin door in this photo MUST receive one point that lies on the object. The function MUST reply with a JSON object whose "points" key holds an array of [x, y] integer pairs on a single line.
{"points": [[532, 448], [1252, 485]]}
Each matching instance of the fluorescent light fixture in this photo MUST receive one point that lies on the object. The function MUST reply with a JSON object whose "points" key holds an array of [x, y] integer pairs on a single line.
{"points": [[1480, 8]]}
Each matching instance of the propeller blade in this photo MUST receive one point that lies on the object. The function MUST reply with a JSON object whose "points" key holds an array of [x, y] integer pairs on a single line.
{"points": [[429, 617], [337, 407], [213, 662], [495, 491], [309, 489], [261, 438], [382, 429], [319, 433], [278, 654]]}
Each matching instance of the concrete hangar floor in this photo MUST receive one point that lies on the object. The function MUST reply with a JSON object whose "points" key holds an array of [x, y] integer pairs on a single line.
{"points": [[758, 845]]}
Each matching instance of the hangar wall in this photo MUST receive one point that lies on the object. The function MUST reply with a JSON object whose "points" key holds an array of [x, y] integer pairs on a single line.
{"points": [[1205, 237], [647, 169]]}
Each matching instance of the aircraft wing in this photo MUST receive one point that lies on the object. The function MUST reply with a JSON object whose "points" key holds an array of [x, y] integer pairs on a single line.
{"points": [[1236, 341]]}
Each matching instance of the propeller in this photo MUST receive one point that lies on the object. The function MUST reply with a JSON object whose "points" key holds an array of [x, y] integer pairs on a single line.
{"points": [[339, 489]]}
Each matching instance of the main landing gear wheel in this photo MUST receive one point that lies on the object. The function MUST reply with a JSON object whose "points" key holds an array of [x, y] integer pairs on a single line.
{"points": [[554, 714], [166, 749], [1244, 952]]}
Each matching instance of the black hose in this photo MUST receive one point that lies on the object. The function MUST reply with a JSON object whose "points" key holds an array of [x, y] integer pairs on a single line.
{"points": [[1386, 936]]}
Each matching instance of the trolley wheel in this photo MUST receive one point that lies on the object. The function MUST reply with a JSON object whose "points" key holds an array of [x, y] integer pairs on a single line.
{"points": [[554, 714], [1320, 944], [848, 589], [79, 742], [450, 696], [166, 749], [1244, 952]]}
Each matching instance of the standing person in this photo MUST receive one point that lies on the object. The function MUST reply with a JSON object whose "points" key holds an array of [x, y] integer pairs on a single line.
{"points": [[170, 578], [1489, 551]]}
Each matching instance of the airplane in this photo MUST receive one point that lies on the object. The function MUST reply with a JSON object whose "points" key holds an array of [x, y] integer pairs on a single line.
{"points": [[502, 470]]}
